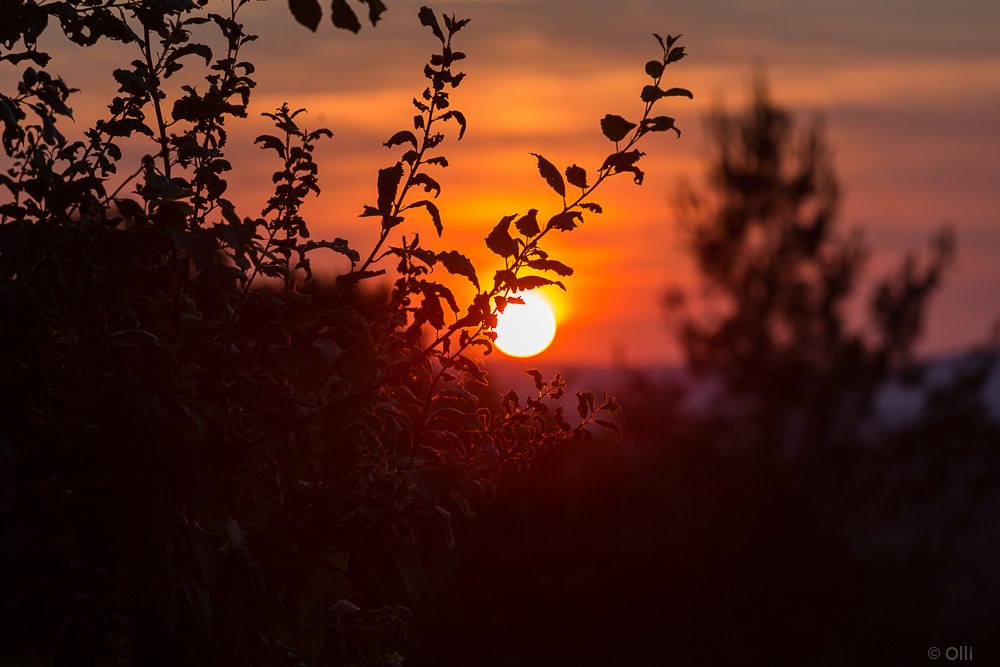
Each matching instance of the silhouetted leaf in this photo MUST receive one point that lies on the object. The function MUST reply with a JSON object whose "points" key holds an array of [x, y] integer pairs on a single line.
{"points": [[537, 375], [459, 264], [306, 12], [615, 127], [527, 283], [551, 175], [500, 241], [458, 116], [619, 162], [654, 68], [428, 183], [660, 124], [527, 224], [678, 92], [551, 265], [591, 206], [427, 18], [577, 176], [454, 26], [375, 10], [336, 245], [388, 184], [651, 93], [433, 210], [675, 54], [564, 221], [401, 137], [344, 17]]}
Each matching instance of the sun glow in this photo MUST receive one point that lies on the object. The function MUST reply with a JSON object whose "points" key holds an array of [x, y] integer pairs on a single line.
{"points": [[524, 330]]}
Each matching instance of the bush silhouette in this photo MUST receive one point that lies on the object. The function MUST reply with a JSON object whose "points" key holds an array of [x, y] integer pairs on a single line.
{"points": [[196, 471]]}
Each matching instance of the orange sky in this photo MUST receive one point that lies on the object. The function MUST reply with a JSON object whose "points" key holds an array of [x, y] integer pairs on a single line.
{"points": [[910, 93]]}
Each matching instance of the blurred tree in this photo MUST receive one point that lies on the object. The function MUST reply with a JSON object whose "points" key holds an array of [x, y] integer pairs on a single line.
{"points": [[778, 275]]}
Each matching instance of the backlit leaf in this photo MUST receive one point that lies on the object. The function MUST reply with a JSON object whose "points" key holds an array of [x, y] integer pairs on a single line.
{"points": [[433, 210], [401, 137], [344, 17], [527, 224], [551, 265], [551, 175], [615, 127], [565, 221], [388, 184], [577, 176], [526, 283], [458, 264], [499, 240], [651, 94], [427, 18], [654, 68], [306, 12], [660, 124], [678, 92]]}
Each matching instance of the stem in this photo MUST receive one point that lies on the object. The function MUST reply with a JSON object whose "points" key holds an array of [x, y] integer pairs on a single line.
{"points": [[161, 126]]}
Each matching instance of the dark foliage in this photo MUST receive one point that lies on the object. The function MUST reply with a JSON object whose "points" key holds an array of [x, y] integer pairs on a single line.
{"points": [[199, 472]]}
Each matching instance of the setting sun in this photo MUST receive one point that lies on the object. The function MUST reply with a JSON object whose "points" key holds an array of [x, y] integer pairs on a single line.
{"points": [[524, 330]]}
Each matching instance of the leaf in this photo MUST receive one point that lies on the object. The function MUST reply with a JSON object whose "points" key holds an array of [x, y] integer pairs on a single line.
{"points": [[551, 265], [336, 245], [388, 184], [654, 68], [433, 210], [527, 224], [344, 17], [615, 127], [401, 137], [458, 264], [651, 93], [678, 92], [583, 407], [675, 54], [537, 375], [527, 283], [551, 175], [577, 176], [660, 124], [428, 183], [609, 425], [272, 142], [306, 12], [375, 9], [591, 206], [460, 117], [564, 221], [427, 18], [620, 162], [499, 240]]}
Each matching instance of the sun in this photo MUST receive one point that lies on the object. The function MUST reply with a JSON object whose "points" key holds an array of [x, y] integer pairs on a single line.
{"points": [[524, 330]]}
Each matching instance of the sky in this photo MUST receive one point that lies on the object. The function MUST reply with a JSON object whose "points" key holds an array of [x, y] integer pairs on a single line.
{"points": [[908, 92]]}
